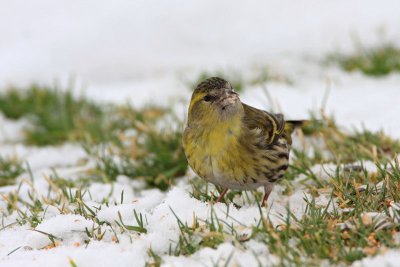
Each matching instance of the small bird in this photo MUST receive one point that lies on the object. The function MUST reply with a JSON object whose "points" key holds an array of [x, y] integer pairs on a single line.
{"points": [[234, 145]]}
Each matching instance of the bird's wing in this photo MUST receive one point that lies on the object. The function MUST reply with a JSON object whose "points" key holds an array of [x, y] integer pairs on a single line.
{"points": [[271, 125]]}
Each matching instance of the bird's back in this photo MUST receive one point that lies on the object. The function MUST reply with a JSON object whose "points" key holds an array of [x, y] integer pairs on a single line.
{"points": [[272, 145]]}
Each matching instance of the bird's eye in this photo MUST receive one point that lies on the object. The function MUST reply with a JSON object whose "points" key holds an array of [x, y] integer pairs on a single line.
{"points": [[208, 98]]}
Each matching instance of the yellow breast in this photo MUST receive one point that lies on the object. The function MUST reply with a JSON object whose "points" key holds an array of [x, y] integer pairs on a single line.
{"points": [[215, 152], [221, 138]]}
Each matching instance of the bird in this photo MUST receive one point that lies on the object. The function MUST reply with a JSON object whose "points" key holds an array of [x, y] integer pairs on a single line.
{"points": [[234, 145]]}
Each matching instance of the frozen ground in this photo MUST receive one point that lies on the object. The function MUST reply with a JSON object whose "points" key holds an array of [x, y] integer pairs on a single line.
{"points": [[142, 52]]}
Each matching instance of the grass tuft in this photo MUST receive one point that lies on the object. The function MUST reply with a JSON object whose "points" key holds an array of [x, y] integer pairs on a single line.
{"points": [[122, 140], [56, 116], [10, 168], [155, 156], [376, 61]]}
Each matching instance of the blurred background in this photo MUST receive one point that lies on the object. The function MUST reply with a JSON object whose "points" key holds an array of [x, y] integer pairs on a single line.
{"points": [[155, 51]]}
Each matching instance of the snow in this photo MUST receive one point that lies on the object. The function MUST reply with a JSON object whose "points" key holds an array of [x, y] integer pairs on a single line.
{"points": [[390, 258], [146, 52], [160, 213], [102, 42], [11, 131], [64, 155], [97, 254], [255, 254], [61, 227]]}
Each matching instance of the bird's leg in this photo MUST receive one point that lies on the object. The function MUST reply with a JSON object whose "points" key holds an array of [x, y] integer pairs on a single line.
{"points": [[267, 190], [221, 196]]}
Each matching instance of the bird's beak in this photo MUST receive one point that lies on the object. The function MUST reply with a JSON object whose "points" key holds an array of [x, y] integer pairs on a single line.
{"points": [[227, 98]]}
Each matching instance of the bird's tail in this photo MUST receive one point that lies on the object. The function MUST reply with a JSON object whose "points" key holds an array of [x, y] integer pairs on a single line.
{"points": [[296, 123], [290, 126]]}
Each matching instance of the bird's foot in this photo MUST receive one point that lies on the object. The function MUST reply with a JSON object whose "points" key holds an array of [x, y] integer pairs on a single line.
{"points": [[267, 191], [221, 196]]}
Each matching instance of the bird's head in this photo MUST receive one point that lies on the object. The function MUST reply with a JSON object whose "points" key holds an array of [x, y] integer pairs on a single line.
{"points": [[214, 100]]}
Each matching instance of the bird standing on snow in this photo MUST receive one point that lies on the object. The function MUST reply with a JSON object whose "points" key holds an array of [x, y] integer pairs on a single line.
{"points": [[233, 145]]}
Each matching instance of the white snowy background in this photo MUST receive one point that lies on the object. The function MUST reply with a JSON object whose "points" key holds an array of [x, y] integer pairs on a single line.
{"points": [[143, 52]]}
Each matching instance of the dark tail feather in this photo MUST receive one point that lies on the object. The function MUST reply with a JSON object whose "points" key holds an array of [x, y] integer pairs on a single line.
{"points": [[290, 126], [296, 123]]}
